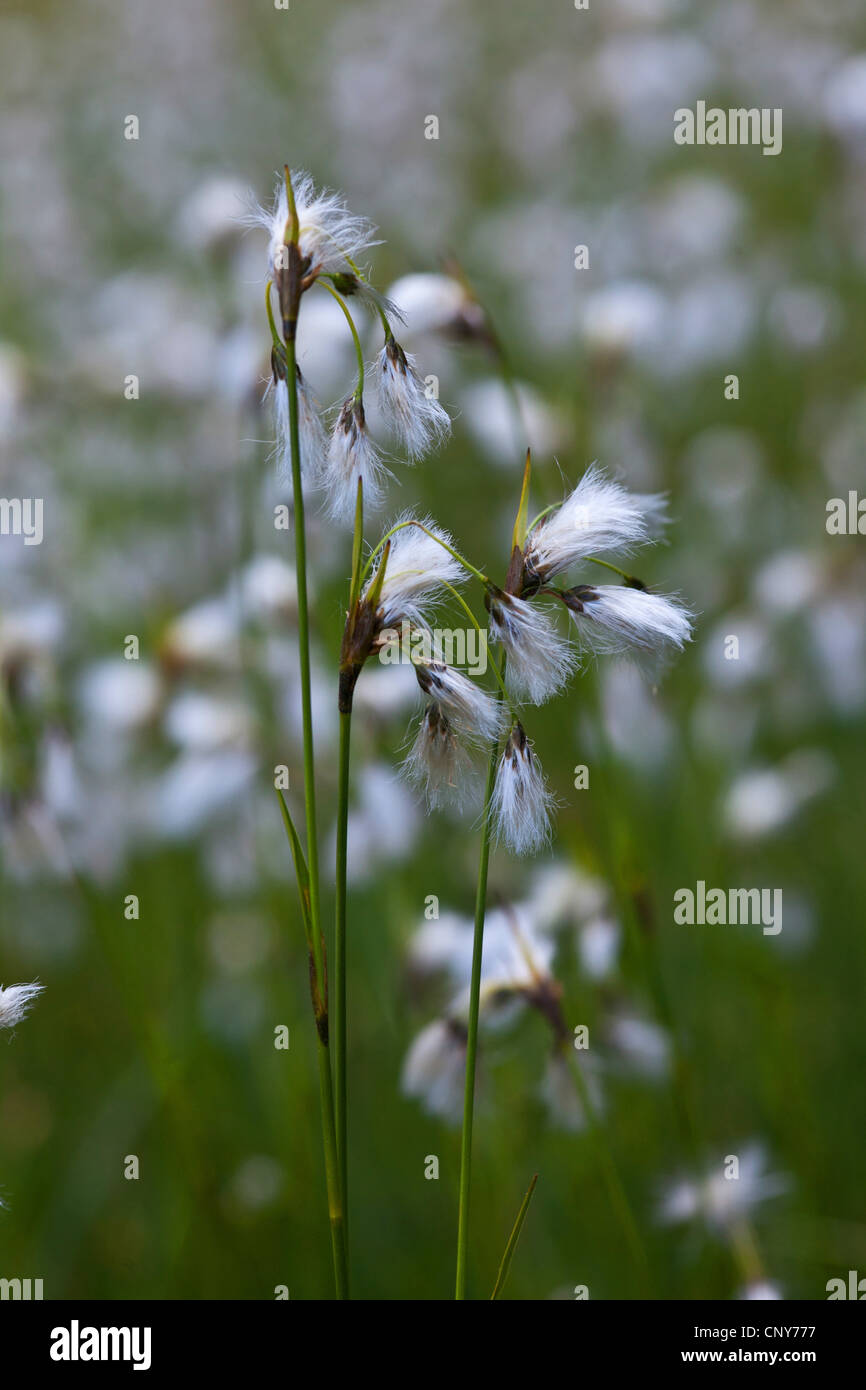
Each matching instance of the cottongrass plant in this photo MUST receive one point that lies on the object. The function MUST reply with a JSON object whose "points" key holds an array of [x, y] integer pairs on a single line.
{"points": [[394, 593]]}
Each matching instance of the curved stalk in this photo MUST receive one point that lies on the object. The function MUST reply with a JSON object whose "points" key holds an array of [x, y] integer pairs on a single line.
{"points": [[472, 1030], [359, 351], [400, 526]]}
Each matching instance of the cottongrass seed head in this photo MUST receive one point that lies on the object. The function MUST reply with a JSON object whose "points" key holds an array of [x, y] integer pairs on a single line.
{"points": [[616, 619], [521, 805], [352, 455], [438, 763], [460, 715], [416, 417], [418, 568], [540, 661], [598, 516], [469, 708], [329, 235], [16, 1002], [312, 435]]}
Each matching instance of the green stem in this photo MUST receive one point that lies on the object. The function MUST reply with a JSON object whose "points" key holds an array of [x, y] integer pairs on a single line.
{"points": [[335, 1201], [593, 560], [340, 1069], [359, 351], [472, 1030], [339, 1253], [541, 515]]}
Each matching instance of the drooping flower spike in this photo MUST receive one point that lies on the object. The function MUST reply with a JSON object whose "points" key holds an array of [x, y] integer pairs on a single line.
{"points": [[414, 413], [612, 618], [522, 803], [352, 458], [438, 762], [312, 436], [540, 661]]}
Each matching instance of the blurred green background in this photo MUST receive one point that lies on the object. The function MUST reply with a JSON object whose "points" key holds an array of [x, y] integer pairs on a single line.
{"points": [[154, 1036]]}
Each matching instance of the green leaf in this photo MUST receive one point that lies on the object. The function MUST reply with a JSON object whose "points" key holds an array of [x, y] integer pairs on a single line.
{"points": [[512, 1241], [302, 873], [518, 537]]}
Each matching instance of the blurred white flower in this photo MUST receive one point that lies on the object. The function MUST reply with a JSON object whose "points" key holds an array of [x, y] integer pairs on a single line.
{"points": [[197, 787], [383, 824], [760, 1290], [386, 691], [212, 213], [201, 722], [804, 317], [120, 695], [625, 317], [204, 635], [268, 588], [258, 1182], [561, 894], [723, 1200], [642, 1045], [762, 801], [434, 1069], [12, 384], [561, 1096], [845, 102], [432, 303], [837, 632], [598, 945], [516, 955], [787, 582], [634, 721], [750, 657], [501, 426], [32, 633]]}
